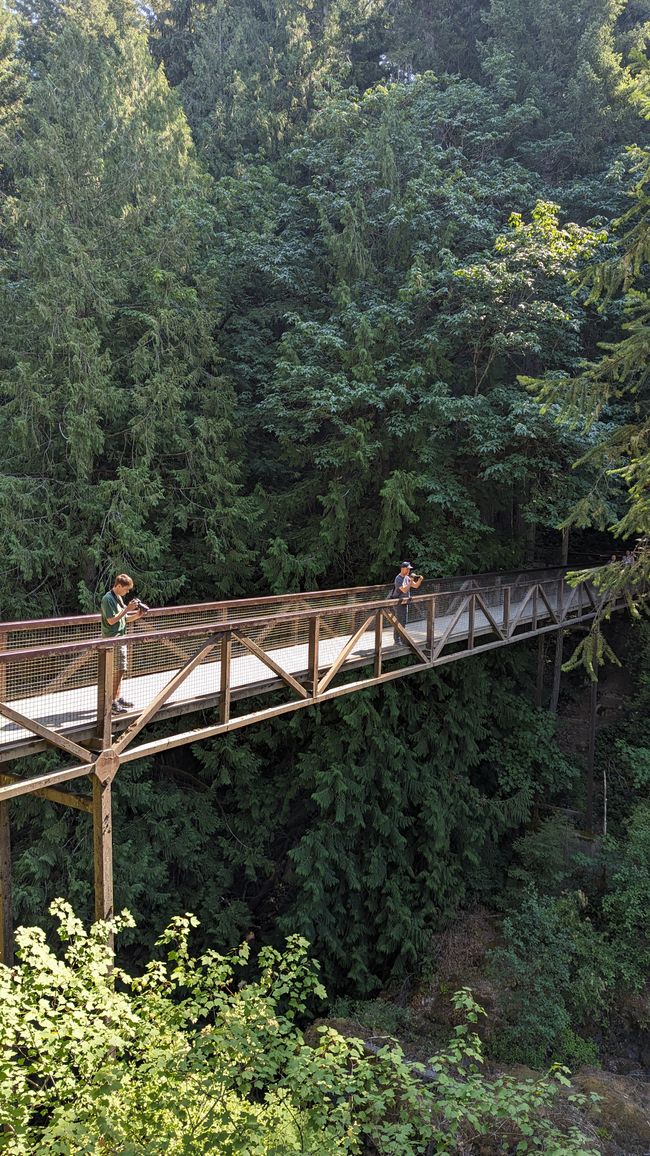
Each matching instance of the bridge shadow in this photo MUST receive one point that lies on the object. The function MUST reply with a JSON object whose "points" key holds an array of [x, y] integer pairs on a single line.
{"points": [[55, 721]]}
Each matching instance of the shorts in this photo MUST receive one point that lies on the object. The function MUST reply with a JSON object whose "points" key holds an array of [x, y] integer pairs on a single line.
{"points": [[121, 659]]}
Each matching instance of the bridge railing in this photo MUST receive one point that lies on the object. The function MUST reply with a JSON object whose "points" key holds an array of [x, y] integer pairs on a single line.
{"points": [[57, 671], [226, 656]]}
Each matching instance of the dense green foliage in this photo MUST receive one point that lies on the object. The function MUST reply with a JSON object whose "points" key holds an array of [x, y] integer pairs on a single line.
{"points": [[363, 829], [275, 279], [190, 1057], [576, 950], [258, 321]]}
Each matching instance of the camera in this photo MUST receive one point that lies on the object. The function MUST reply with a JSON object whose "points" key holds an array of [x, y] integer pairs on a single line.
{"points": [[141, 605], [417, 576]]}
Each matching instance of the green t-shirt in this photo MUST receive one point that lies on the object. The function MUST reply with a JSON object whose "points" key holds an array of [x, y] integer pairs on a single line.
{"points": [[112, 604]]}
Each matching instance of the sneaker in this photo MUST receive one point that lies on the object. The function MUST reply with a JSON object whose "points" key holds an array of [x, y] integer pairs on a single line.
{"points": [[117, 708], [125, 703]]}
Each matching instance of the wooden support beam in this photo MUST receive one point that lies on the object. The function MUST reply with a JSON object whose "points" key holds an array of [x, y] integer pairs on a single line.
{"points": [[553, 615], [6, 896], [343, 654], [224, 690], [482, 605], [431, 624], [106, 660], [52, 737], [452, 625], [506, 612], [67, 798], [560, 600], [514, 623], [471, 619], [166, 692], [146, 750], [313, 650], [379, 641], [406, 637], [271, 663], [103, 847], [51, 779], [591, 598]]}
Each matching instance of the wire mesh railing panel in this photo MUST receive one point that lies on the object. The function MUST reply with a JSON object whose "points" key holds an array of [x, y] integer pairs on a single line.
{"points": [[49, 674], [39, 689]]}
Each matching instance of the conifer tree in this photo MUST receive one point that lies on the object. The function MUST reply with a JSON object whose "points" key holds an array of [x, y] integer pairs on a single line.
{"points": [[251, 74], [13, 84], [563, 57], [441, 35], [616, 386], [116, 419]]}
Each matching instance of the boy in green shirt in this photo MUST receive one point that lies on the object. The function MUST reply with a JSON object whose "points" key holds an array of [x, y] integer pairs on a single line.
{"points": [[116, 614]]}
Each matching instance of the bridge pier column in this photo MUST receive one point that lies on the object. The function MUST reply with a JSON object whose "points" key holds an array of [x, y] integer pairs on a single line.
{"points": [[591, 758], [557, 672], [102, 779], [6, 897], [541, 655]]}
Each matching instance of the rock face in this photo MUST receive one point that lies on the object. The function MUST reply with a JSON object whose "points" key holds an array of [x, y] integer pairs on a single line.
{"points": [[622, 1116]]}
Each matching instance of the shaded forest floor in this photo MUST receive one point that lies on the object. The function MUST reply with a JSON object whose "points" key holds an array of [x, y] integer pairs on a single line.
{"points": [[617, 1124]]}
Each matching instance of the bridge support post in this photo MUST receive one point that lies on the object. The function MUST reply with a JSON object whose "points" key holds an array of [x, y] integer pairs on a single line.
{"points": [[471, 617], [224, 692], [102, 779], [591, 759], [431, 625], [541, 655], [105, 661], [6, 898], [379, 638], [557, 672], [312, 655]]}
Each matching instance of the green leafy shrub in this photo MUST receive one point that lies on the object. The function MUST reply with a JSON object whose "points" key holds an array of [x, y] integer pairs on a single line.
{"points": [[192, 1058], [556, 971]]}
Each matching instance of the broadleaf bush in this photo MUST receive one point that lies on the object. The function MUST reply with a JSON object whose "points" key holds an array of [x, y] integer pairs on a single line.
{"points": [[196, 1056]]}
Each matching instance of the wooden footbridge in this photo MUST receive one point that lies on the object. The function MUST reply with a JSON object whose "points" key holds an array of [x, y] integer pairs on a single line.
{"points": [[285, 653]]}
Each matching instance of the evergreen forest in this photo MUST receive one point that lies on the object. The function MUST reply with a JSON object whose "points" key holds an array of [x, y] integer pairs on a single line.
{"points": [[291, 290]]}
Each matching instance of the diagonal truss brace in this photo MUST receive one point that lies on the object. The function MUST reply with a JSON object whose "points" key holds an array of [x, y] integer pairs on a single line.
{"points": [[440, 645], [271, 663], [553, 614], [343, 654], [42, 782], [516, 621], [390, 617], [166, 692], [66, 798], [498, 630], [51, 736]]}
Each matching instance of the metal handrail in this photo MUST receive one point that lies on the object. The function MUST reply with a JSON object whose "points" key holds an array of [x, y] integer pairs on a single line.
{"points": [[227, 625], [27, 624]]}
